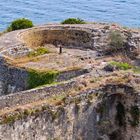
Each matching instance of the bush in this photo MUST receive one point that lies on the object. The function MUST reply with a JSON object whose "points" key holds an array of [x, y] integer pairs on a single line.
{"points": [[121, 65], [38, 51], [73, 21], [20, 24], [116, 39], [37, 78]]}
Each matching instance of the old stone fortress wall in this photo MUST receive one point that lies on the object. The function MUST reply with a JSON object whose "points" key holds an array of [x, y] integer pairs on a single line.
{"points": [[15, 44], [74, 122]]}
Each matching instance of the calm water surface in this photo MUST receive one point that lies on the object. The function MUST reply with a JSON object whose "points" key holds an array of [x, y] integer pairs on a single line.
{"points": [[125, 12]]}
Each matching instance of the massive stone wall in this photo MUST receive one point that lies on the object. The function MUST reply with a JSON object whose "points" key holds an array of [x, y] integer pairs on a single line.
{"points": [[28, 96], [93, 117], [12, 79], [86, 36], [71, 36], [89, 36], [67, 75], [87, 116]]}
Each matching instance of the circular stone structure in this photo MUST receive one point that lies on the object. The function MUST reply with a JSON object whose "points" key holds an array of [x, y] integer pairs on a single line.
{"points": [[83, 47], [82, 93], [86, 36]]}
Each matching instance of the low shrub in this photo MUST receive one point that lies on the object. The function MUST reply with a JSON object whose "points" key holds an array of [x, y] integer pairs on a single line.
{"points": [[116, 39], [115, 42], [38, 51], [73, 21], [37, 78], [121, 65], [21, 23]]}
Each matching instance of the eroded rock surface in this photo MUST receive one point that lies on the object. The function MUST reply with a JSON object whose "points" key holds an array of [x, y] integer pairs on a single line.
{"points": [[88, 101]]}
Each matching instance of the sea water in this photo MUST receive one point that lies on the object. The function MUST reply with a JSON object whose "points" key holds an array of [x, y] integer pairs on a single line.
{"points": [[125, 12]]}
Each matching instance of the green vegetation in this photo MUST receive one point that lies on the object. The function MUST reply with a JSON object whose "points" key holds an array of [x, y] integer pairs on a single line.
{"points": [[102, 109], [136, 69], [20, 114], [57, 113], [37, 78], [121, 65], [116, 40], [73, 21], [21, 23], [38, 51], [120, 115], [125, 27], [10, 119], [135, 114]]}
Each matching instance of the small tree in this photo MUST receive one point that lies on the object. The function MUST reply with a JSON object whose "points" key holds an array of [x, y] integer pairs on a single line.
{"points": [[73, 21], [21, 23]]}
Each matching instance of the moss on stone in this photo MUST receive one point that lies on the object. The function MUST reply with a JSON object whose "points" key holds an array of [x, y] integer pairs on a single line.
{"points": [[38, 51], [36, 78]]}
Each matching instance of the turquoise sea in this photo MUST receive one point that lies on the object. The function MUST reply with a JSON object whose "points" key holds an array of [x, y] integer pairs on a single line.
{"points": [[125, 12]]}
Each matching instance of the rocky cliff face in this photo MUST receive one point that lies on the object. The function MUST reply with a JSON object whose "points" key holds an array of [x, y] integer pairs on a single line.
{"points": [[107, 114]]}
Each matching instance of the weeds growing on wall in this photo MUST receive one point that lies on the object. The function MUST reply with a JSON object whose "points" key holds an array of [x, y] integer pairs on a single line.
{"points": [[37, 78], [38, 51], [116, 39], [115, 43], [121, 65]]}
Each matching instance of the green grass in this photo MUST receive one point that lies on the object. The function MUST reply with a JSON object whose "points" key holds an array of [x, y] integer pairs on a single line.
{"points": [[121, 65], [38, 51], [37, 78]]}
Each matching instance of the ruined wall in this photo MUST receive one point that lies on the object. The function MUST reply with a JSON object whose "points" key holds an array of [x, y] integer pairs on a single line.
{"points": [[65, 36], [12, 79], [28, 96], [88, 36], [88, 116], [67, 75]]}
